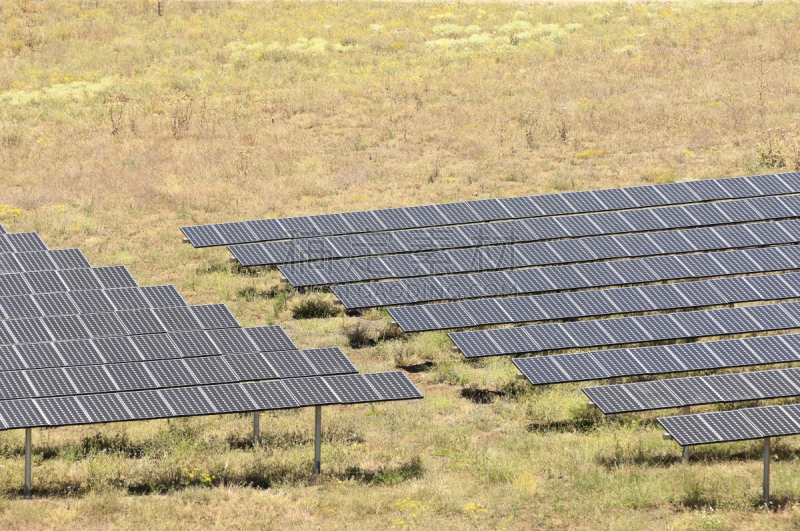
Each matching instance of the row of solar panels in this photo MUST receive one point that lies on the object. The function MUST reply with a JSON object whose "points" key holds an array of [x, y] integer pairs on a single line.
{"points": [[491, 210], [520, 231], [168, 373], [110, 277], [660, 359], [50, 260], [626, 330], [89, 301], [541, 253], [597, 303], [206, 400], [122, 323], [568, 277], [143, 347], [695, 391], [738, 425]]}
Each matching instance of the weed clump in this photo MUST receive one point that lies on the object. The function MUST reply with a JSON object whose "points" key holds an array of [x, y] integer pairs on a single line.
{"points": [[358, 336], [313, 309]]}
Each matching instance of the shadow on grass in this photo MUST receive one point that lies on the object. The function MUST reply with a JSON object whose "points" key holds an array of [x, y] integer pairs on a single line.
{"points": [[259, 475], [417, 368]]}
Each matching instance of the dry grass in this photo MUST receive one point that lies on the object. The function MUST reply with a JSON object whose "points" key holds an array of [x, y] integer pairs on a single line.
{"points": [[117, 126]]}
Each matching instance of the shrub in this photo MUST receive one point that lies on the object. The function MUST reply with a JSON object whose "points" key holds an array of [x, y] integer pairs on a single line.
{"points": [[312, 309]]}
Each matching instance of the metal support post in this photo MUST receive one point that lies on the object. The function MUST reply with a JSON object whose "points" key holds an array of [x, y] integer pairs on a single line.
{"points": [[256, 428], [28, 463], [765, 499], [686, 411], [317, 439]]}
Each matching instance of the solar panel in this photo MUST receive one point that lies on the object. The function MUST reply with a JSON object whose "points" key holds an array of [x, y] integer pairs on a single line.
{"points": [[203, 235], [155, 346], [131, 376], [772, 349], [171, 373], [330, 361], [691, 391], [629, 300], [265, 229], [311, 391], [9, 264], [392, 385], [38, 356], [214, 316], [577, 367], [55, 304], [9, 360], [26, 242], [352, 388], [50, 382], [554, 306], [163, 296], [22, 413], [115, 277], [289, 364], [769, 184], [229, 398], [146, 405], [702, 265], [414, 318], [69, 259], [141, 322], [657, 360], [194, 343], [734, 320], [20, 307], [90, 379], [770, 384], [707, 214], [705, 239], [593, 302], [81, 352], [91, 301], [15, 385], [738, 187], [80, 279], [700, 293], [13, 284], [597, 274], [44, 281], [735, 289], [62, 411], [177, 319], [270, 338], [612, 399], [731, 425], [127, 299], [734, 387], [540, 370], [66, 327], [769, 421], [104, 408], [736, 262], [116, 349], [270, 395], [545, 337], [624, 331], [664, 296], [251, 366], [697, 324], [605, 247], [633, 271], [210, 370], [103, 324], [36, 261], [771, 233], [187, 401]]}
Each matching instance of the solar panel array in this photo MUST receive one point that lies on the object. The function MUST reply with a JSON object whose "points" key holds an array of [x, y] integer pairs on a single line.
{"points": [[597, 303], [660, 359], [626, 330], [103, 349], [695, 391], [568, 277], [484, 210], [737, 425], [521, 231], [205, 400], [590, 249]]}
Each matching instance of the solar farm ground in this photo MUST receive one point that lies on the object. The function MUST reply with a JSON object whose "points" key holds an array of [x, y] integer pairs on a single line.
{"points": [[117, 126]]}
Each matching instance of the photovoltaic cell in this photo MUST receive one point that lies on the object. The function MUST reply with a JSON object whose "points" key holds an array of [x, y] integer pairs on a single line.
{"points": [[44, 281], [55, 304], [311, 391], [210, 370], [103, 324], [251, 366], [155, 346], [177, 319], [20, 307], [127, 299], [393, 385], [330, 361]]}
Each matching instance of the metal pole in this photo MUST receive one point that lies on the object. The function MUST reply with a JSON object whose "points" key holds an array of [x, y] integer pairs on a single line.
{"points": [[686, 411], [317, 439], [256, 427], [28, 463], [766, 471]]}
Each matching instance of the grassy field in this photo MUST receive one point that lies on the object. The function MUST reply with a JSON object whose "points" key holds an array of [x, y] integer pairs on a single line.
{"points": [[117, 126]]}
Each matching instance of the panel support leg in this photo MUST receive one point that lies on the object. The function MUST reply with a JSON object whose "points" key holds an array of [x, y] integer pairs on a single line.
{"points": [[317, 439], [686, 411], [28, 463], [256, 428], [765, 497]]}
